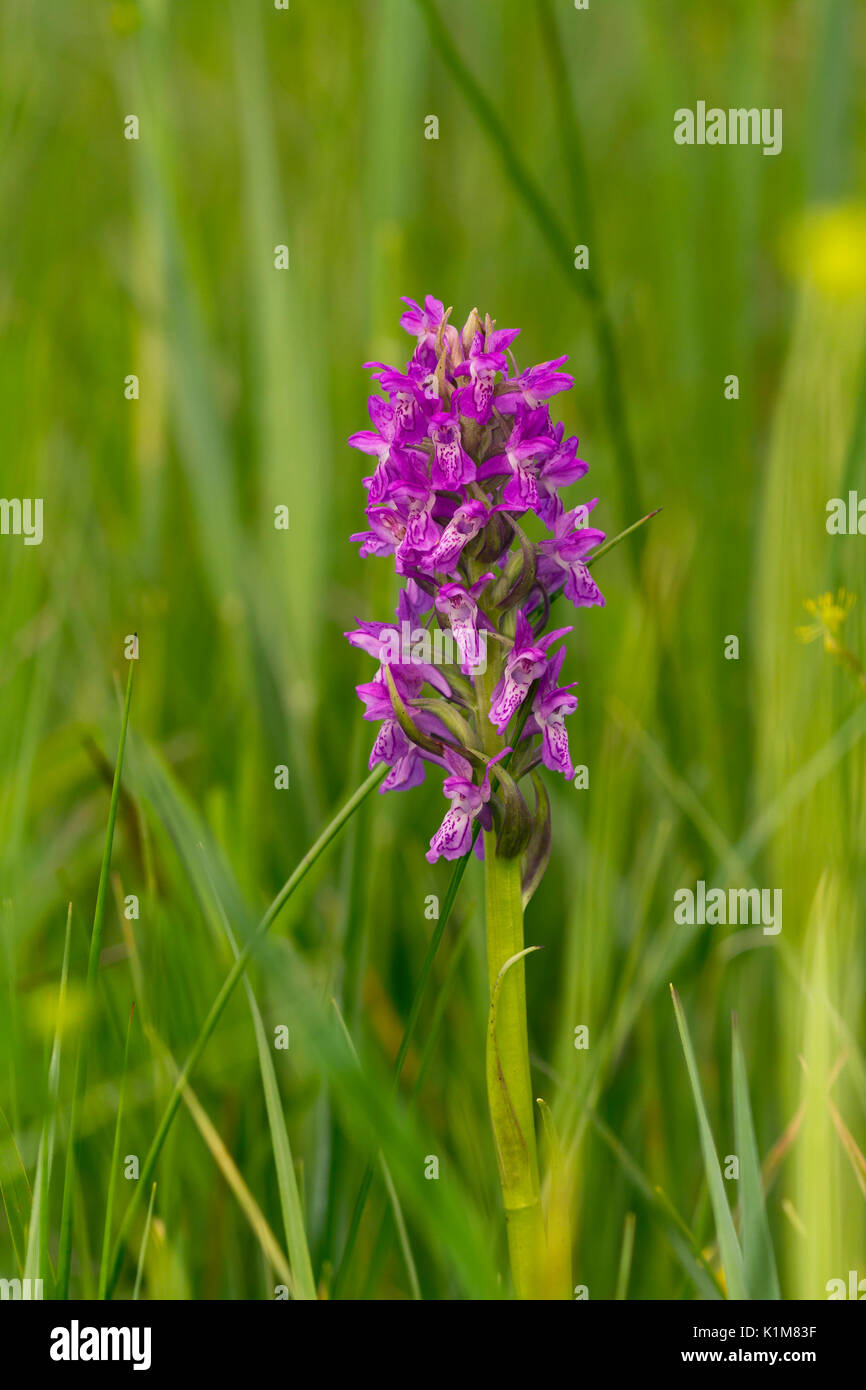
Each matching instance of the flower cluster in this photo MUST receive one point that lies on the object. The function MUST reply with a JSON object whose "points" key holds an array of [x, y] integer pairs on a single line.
{"points": [[466, 455]]}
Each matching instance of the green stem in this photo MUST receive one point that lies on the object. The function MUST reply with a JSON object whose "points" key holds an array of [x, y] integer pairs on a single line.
{"points": [[509, 1086], [508, 1077]]}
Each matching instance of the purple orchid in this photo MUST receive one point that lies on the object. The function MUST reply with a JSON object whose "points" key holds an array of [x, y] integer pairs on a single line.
{"points": [[453, 839], [563, 558], [461, 609], [385, 641], [462, 449], [452, 466], [407, 396], [470, 472], [559, 468], [534, 386], [524, 664], [549, 708], [486, 359], [404, 758], [463, 527], [416, 500], [425, 323], [527, 444], [386, 443]]}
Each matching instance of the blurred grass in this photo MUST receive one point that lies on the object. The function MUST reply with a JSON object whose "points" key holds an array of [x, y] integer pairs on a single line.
{"points": [[155, 257]]}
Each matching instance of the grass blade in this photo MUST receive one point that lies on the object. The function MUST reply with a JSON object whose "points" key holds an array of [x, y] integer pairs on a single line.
{"points": [[402, 1233], [80, 1080], [625, 1257], [399, 1220], [557, 1190], [143, 1248], [615, 540], [217, 902], [559, 244], [115, 1163], [729, 1246], [682, 1242], [414, 1011], [304, 1284], [36, 1258], [215, 1013], [232, 1174], [542, 212], [758, 1258]]}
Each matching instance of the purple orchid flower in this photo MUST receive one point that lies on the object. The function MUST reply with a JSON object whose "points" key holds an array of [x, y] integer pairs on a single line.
{"points": [[421, 371], [385, 642], [456, 442], [549, 708], [415, 500], [535, 385], [424, 323], [528, 443], [452, 466], [461, 609], [524, 664], [563, 557], [453, 839], [462, 450], [405, 759], [386, 443], [406, 397], [482, 367], [463, 527], [559, 469], [387, 530], [402, 524]]}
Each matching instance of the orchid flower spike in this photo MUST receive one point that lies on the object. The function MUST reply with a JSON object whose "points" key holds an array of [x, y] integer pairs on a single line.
{"points": [[466, 454]]}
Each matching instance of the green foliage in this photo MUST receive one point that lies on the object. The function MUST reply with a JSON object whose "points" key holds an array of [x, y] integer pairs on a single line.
{"points": [[155, 257]]}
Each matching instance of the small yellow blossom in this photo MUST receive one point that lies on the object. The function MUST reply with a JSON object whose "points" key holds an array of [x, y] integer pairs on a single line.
{"points": [[827, 247], [830, 612]]}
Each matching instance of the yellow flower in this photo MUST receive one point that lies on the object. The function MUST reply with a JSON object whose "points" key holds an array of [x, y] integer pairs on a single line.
{"points": [[827, 247], [830, 613]]}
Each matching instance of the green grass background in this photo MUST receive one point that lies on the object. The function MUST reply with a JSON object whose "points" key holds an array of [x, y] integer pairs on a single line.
{"points": [[155, 257]]}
